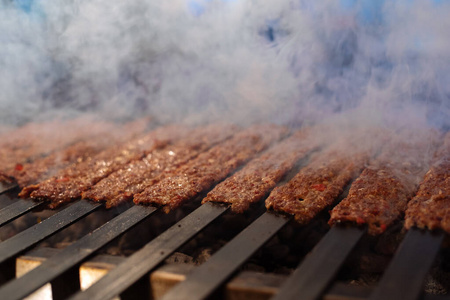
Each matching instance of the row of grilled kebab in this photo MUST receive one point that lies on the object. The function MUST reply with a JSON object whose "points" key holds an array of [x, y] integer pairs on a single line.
{"points": [[391, 172]]}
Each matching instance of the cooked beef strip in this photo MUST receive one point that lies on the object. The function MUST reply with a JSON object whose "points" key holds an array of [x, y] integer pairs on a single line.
{"points": [[260, 175], [70, 182], [24, 136], [380, 194], [136, 176], [42, 140], [42, 168], [210, 167], [430, 208], [317, 185], [45, 167]]}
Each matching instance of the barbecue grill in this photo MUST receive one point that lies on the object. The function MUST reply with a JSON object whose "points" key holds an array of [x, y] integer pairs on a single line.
{"points": [[220, 276]]}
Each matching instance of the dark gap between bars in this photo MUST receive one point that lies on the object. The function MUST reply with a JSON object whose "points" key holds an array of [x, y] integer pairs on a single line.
{"points": [[337, 291], [327, 272], [17, 209], [215, 280], [31, 236], [151, 255], [317, 270], [74, 254], [213, 273], [405, 275], [5, 187]]}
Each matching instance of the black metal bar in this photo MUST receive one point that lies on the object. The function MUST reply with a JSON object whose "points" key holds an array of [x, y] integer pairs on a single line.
{"points": [[63, 286], [4, 187], [139, 290], [406, 273], [7, 270], [316, 271], [144, 260], [5, 201], [74, 254], [27, 238], [17, 209], [213, 273]]}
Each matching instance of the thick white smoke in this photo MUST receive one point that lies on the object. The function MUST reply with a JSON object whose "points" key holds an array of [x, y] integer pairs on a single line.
{"points": [[241, 60]]}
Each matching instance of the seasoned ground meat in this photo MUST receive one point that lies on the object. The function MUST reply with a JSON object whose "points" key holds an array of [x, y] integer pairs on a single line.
{"points": [[34, 141], [135, 177], [70, 182], [210, 167], [430, 208], [45, 167], [380, 195], [260, 175], [317, 185], [42, 168]]}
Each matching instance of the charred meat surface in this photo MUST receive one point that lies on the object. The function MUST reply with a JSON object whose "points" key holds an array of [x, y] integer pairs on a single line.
{"points": [[260, 175], [70, 182], [317, 185], [430, 208], [45, 167], [380, 194], [210, 167], [136, 176], [35, 141]]}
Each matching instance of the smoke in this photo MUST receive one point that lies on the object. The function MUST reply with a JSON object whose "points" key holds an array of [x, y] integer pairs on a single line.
{"points": [[290, 62]]}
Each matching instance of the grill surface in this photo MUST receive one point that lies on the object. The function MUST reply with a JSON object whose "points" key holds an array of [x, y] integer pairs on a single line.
{"points": [[314, 278]]}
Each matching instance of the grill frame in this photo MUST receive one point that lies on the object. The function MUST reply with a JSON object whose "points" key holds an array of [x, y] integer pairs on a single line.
{"points": [[195, 222]]}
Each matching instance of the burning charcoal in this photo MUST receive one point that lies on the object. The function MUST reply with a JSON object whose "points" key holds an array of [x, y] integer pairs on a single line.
{"points": [[179, 258], [203, 256]]}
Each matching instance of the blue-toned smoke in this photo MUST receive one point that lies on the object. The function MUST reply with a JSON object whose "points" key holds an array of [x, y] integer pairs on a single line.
{"points": [[293, 62]]}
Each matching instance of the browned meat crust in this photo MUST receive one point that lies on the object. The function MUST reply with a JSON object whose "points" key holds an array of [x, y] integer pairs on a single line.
{"points": [[317, 185], [380, 195], [35, 141], [43, 168], [210, 167], [430, 208], [73, 180], [138, 175], [260, 175], [25, 136], [31, 173]]}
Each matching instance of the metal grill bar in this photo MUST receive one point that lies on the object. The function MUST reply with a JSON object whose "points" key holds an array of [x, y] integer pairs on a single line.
{"points": [[17, 209], [212, 274], [317, 270], [405, 275], [143, 261], [27, 238], [4, 187], [74, 254]]}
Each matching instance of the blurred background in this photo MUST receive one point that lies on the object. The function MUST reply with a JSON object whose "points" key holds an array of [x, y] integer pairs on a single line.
{"points": [[289, 62]]}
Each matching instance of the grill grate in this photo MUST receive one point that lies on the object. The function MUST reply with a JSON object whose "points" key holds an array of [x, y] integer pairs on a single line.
{"points": [[313, 278], [319, 268], [17, 209], [227, 260]]}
